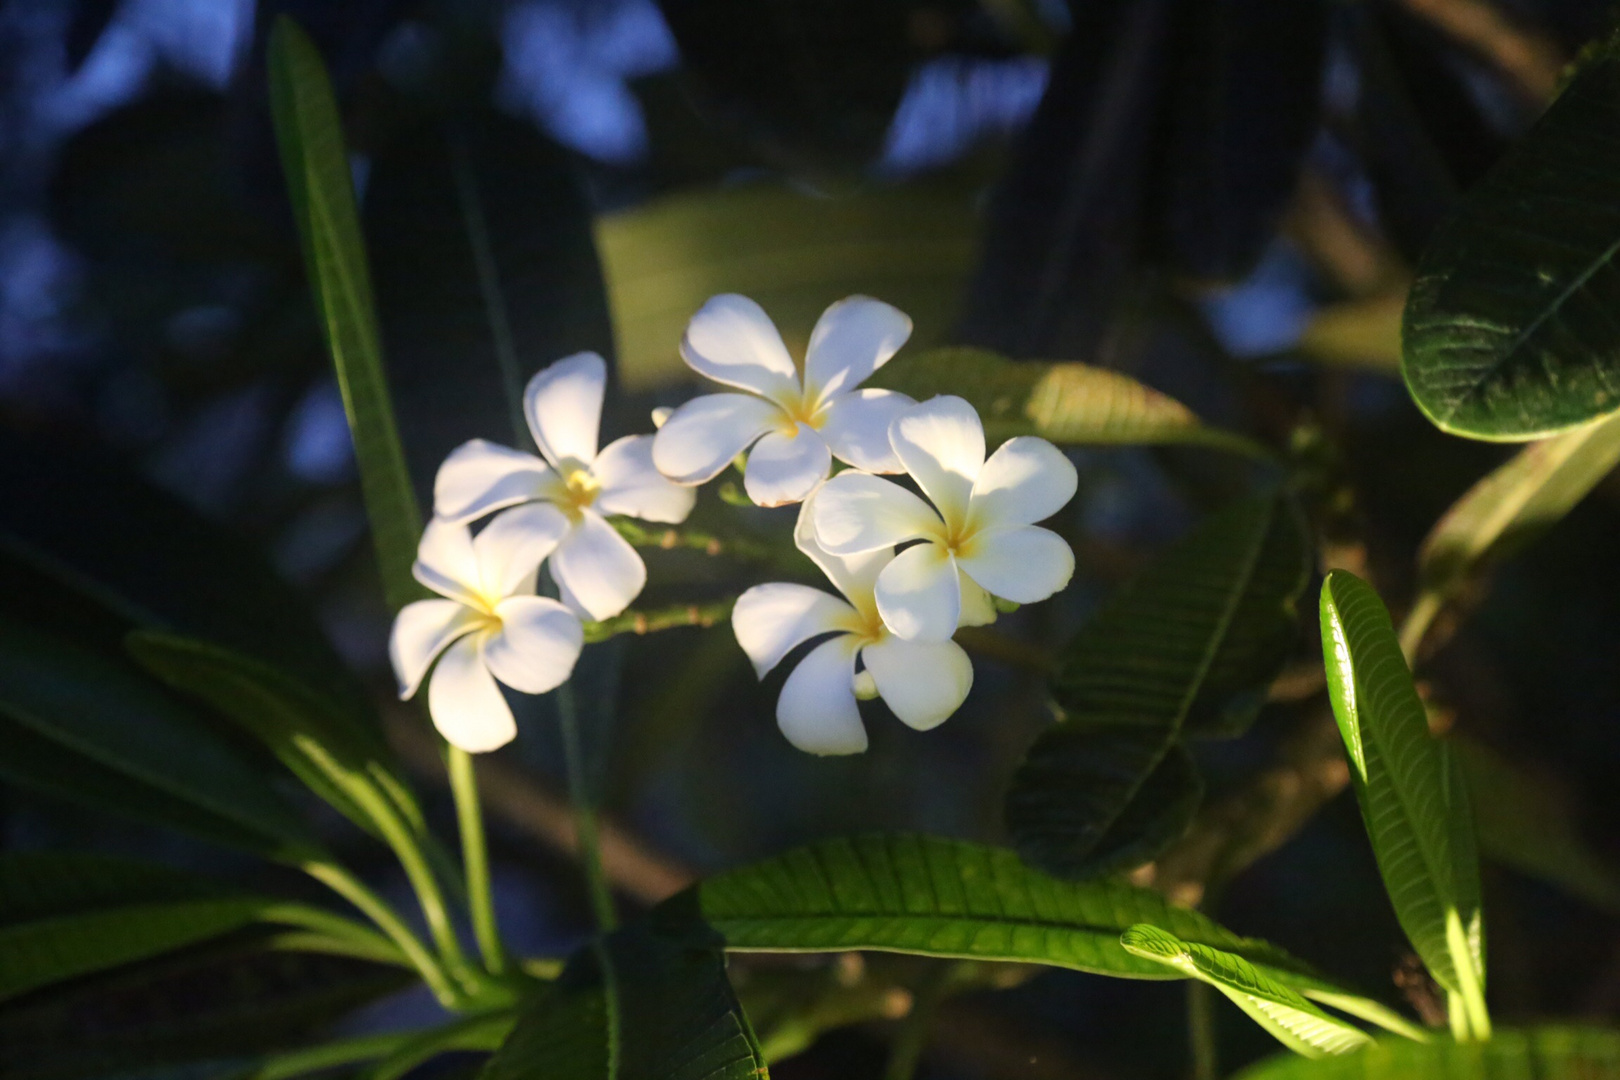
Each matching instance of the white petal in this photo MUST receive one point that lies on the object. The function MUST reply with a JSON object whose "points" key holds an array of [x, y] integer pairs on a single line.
{"points": [[631, 486], [923, 682], [602, 571], [1025, 563], [479, 477], [854, 575], [941, 444], [466, 705], [421, 632], [701, 437], [852, 339], [918, 594], [977, 607], [1026, 480], [563, 405], [513, 544], [733, 341], [446, 561], [770, 620], [856, 427], [855, 512], [784, 469], [817, 710], [537, 645]]}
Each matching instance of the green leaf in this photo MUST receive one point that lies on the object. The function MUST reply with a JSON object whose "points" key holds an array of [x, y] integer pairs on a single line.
{"points": [[316, 166], [1412, 798], [80, 707], [1295, 1022], [63, 916], [1187, 649], [1064, 402], [1509, 333], [327, 747], [1527, 823], [220, 1001], [793, 252], [1507, 509], [634, 1006], [483, 1031], [1549, 1053]]}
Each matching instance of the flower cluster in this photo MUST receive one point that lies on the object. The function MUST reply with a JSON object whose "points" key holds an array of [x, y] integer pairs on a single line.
{"points": [[912, 568]]}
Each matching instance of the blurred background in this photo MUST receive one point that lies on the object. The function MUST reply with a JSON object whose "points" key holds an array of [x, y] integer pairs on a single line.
{"points": [[1224, 198]]}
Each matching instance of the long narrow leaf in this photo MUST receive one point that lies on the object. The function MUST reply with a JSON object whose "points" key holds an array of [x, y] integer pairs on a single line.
{"points": [[1411, 795], [1549, 1053], [1295, 1022], [316, 165]]}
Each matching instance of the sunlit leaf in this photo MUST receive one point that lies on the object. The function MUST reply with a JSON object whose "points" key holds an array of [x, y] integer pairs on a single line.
{"points": [[1549, 1053], [316, 166], [1064, 402], [1296, 1023], [75, 702], [1187, 649], [1509, 332], [793, 252], [1411, 795], [633, 1006]]}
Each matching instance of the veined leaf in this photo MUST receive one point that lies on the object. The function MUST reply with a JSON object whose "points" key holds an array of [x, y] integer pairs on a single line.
{"points": [[77, 704], [1412, 798], [316, 165], [1065, 402], [794, 253], [1295, 1022], [1549, 1053], [1526, 823], [1510, 507], [330, 751], [213, 1002], [1187, 649], [1509, 333], [634, 1006]]}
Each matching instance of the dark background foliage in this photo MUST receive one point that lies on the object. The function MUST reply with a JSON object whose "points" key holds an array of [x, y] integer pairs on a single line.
{"points": [[1187, 190]]}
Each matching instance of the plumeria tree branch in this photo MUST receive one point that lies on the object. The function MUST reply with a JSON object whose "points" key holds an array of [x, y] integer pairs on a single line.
{"points": [[669, 539], [669, 618]]}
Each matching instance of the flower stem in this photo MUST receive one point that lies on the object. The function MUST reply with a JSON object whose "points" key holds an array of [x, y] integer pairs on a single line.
{"points": [[1201, 1030], [646, 622], [341, 881], [590, 846], [475, 856]]}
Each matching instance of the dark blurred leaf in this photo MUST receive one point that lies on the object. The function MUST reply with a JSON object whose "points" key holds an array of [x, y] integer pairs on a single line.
{"points": [[1548, 1053], [1246, 109], [1187, 649], [634, 1006], [319, 185], [812, 84], [455, 206], [223, 1002], [1509, 331], [1412, 797], [1063, 245], [333, 750], [90, 19], [86, 706], [53, 884], [169, 568], [1526, 821]]}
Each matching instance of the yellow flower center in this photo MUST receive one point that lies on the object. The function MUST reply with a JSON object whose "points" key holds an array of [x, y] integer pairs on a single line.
{"points": [[797, 409], [578, 490]]}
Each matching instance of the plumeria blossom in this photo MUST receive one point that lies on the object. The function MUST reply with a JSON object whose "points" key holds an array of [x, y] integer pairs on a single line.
{"points": [[486, 627], [922, 682], [980, 529], [796, 425], [597, 572]]}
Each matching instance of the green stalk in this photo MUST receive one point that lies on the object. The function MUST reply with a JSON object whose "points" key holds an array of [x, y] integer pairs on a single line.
{"points": [[475, 855], [345, 884], [1201, 1030], [590, 844], [311, 1059]]}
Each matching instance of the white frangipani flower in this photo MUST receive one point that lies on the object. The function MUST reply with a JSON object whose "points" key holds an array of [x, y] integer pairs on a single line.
{"points": [[795, 425], [486, 627], [597, 572], [922, 682], [981, 527]]}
